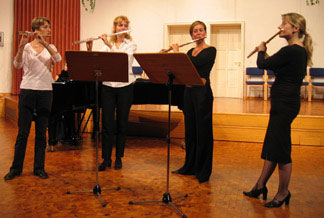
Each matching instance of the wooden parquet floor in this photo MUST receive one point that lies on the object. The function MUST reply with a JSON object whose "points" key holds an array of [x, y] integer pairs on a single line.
{"points": [[143, 177]]}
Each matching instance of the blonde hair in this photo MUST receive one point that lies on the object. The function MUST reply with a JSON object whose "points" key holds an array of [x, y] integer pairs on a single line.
{"points": [[192, 26], [117, 21], [297, 20], [37, 22]]}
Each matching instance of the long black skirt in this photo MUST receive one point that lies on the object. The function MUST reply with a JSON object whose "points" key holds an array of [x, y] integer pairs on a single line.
{"points": [[277, 142]]}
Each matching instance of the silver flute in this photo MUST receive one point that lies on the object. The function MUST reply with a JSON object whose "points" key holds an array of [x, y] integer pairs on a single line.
{"points": [[184, 44], [29, 33], [95, 38]]}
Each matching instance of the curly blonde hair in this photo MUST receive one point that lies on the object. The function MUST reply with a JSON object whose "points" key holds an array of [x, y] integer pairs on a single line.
{"points": [[117, 21]]}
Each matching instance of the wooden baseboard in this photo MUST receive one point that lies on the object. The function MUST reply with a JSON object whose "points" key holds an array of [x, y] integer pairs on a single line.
{"points": [[305, 130]]}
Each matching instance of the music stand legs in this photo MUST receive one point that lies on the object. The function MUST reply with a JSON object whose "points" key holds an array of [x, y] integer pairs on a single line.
{"points": [[166, 196], [165, 199], [96, 189]]}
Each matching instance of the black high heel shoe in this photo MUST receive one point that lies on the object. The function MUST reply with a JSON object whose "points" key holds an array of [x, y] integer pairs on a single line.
{"points": [[255, 193], [276, 203]]}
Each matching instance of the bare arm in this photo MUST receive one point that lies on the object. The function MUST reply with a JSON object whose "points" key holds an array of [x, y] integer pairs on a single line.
{"points": [[24, 40]]}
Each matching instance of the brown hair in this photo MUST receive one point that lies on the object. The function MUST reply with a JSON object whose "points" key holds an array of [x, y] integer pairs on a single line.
{"points": [[117, 21], [297, 20], [37, 22], [195, 24]]}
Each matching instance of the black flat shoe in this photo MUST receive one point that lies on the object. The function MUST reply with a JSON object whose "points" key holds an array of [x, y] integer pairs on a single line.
{"points": [[255, 193], [183, 171], [41, 174], [104, 164], [202, 180], [118, 164], [276, 203], [12, 174], [178, 171]]}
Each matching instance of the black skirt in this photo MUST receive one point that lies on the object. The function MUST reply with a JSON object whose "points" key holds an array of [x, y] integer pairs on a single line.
{"points": [[277, 142]]}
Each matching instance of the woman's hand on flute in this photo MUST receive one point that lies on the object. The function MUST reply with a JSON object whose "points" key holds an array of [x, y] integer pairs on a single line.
{"points": [[262, 47], [24, 40], [175, 47], [41, 39], [89, 45], [104, 38]]}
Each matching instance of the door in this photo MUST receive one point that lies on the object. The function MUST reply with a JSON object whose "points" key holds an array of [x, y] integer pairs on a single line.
{"points": [[227, 73]]}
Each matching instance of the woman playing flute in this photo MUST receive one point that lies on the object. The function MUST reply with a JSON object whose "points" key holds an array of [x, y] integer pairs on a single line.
{"points": [[289, 65], [116, 96], [35, 99], [198, 109]]}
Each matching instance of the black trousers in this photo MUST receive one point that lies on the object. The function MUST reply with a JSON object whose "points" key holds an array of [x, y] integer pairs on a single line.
{"points": [[33, 104], [198, 114], [113, 100]]}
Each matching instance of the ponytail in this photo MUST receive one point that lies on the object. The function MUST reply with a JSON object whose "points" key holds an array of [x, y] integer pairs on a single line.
{"points": [[308, 44]]}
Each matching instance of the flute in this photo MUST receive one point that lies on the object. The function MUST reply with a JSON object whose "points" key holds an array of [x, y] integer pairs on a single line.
{"points": [[95, 38], [271, 38], [192, 41], [29, 33]]}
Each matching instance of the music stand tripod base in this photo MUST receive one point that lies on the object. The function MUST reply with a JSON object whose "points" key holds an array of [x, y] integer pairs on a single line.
{"points": [[96, 191], [165, 199]]}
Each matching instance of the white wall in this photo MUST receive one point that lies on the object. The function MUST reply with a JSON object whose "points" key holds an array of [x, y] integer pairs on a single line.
{"points": [[6, 26], [148, 17]]}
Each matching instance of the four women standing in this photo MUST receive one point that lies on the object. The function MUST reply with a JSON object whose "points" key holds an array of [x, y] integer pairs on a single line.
{"points": [[289, 66]]}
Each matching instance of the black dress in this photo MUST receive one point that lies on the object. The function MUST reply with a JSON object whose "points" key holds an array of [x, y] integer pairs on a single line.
{"points": [[289, 66], [198, 113]]}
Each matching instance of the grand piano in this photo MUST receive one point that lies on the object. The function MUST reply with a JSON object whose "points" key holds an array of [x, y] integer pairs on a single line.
{"points": [[71, 97]]}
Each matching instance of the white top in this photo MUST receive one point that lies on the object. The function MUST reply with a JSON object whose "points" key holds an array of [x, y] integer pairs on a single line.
{"points": [[128, 47], [37, 68]]}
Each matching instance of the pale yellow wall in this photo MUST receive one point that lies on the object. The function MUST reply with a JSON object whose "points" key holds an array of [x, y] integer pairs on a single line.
{"points": [[6, 26], [261, 18]]}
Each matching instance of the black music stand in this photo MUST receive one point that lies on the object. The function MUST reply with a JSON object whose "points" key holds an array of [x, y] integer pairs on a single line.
{"points": [[168, 69], [97, 66]]}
